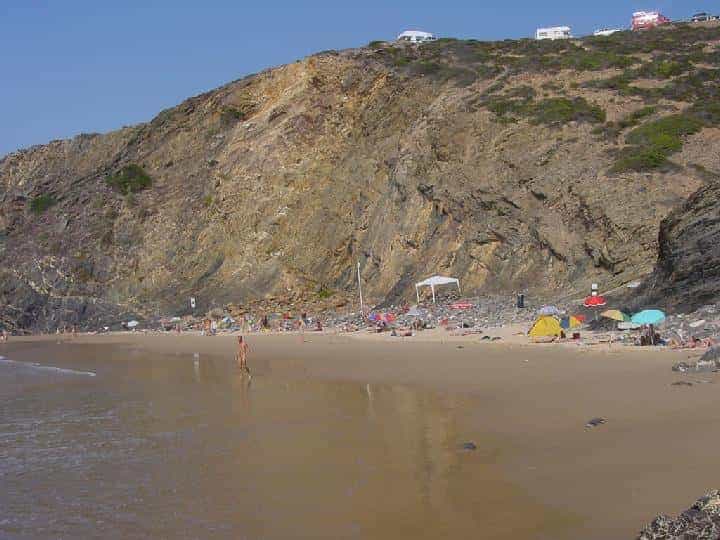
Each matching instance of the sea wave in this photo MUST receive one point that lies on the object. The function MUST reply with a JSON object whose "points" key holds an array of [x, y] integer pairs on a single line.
{"points": [[40, 367]]}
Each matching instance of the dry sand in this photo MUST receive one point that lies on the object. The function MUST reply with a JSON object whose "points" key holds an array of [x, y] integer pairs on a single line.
{"points": [[656, 453]]}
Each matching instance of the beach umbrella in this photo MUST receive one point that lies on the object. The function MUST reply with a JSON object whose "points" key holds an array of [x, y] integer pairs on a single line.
{"points": [[648, 316], [594, 301], [615, 315], [548, 311]]}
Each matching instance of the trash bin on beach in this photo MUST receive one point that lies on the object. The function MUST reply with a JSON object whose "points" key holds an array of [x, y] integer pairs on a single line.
{"points": [[520, 301]]}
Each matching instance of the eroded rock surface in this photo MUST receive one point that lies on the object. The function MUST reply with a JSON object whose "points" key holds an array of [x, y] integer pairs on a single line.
{"points": [[279, 183], [699, 522], [688, 269]]}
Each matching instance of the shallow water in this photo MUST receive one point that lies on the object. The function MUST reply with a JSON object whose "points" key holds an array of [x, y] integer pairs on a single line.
{"points": [[101, 441]]}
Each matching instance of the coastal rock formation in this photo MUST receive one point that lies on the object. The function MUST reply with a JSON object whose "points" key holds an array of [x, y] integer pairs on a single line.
{"points": [[699, 522], [511, 165], [688, 269]]}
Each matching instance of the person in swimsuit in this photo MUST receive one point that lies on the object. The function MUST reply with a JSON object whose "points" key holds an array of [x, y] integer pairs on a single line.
{"points": [[241, 356]]}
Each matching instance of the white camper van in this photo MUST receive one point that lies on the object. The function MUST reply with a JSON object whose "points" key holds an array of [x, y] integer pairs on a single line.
{"points": [[606, 31], [416, 36], [555, 32]]}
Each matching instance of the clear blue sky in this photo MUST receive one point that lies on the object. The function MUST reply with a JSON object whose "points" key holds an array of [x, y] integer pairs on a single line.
{"points": [[74, 66]]}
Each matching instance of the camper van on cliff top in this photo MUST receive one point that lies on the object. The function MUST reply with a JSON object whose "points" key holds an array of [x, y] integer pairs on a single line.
{"points": [[642, 20], [416, 36], [554, 32]]}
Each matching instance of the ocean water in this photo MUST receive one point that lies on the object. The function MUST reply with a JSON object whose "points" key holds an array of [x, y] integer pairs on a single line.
{"points": [[110, 442]]}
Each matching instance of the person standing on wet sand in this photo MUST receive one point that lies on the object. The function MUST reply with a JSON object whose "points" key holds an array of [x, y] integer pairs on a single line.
{"points": [[241, 356]]}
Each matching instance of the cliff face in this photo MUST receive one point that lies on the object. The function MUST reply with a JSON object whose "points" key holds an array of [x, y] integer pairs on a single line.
{"points": [[687, 275], [496, 163]]}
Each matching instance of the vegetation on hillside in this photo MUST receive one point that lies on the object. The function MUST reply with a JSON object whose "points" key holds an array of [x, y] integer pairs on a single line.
{"points": [[520, 103], [683, 59], [130, 179], [41, 203]]}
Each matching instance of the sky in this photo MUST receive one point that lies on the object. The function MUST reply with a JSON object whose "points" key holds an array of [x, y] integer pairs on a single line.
{"points": [[75, 66]]}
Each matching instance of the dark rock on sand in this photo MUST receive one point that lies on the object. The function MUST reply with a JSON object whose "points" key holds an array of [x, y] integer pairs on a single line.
{"points": [[469, 446], [595, 422], [682, 383], [700, 522]]}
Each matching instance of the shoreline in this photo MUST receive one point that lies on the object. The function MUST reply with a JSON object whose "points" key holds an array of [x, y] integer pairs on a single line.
{"points": [[535, 399]]}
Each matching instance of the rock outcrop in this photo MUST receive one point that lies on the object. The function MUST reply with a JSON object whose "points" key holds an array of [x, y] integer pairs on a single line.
{"points": [[687, 275], [500, 163], [699, 522]]}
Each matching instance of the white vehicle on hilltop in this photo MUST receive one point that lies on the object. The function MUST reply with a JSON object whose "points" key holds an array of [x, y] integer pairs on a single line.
{"points": [[554, 32], [416, 36], [606, 31]]}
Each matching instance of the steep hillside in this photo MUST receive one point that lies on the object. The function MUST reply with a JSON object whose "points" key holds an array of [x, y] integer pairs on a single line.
{"points": [[513, 165]]}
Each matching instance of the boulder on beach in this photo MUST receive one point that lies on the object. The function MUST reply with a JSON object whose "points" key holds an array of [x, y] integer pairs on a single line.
{"points": [[701, 522]]}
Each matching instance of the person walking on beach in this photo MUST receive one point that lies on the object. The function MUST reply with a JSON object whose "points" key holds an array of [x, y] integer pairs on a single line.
{"points": [[241, 356]]}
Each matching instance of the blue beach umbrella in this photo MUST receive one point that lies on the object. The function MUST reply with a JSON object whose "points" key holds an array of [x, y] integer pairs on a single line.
{"points": [[648, 316]]}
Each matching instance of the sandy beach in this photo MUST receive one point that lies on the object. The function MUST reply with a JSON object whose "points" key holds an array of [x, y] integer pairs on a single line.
{"points": [[655, 454]]}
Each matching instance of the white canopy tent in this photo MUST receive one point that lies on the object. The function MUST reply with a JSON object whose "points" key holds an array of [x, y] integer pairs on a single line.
{"points": [[433, 282]]}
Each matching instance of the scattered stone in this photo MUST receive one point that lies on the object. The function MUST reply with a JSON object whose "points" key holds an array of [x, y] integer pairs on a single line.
{"points": [[682, 383], [699, 522], [470, 446], [701, 366], [681, 367], [595, 422], [460, 347]]}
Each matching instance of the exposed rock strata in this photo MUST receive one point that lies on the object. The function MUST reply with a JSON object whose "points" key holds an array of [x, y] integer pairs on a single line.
{"points": [[687, 275], [280, 183]]}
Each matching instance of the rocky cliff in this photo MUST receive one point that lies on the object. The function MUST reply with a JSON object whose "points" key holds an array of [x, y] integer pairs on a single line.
{"points": [[687, 275], [512, 165]]}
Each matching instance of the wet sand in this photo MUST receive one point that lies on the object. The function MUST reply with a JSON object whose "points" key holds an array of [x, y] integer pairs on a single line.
{"points": [[379, 455]]}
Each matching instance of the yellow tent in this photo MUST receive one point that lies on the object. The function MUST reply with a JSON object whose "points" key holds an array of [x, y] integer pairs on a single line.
{"points": [[545, 327]]}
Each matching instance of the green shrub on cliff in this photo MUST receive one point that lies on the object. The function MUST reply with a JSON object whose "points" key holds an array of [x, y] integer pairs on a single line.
{"points": [[563, 110], [41, 203], [130, 179], [652, 143], [551, 111]]}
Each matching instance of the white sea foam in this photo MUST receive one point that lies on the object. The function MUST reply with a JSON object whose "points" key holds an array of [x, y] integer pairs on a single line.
{"points": [[40, 367]]}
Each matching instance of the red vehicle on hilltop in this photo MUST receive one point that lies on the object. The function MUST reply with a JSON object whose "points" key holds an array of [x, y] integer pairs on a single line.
{"points": [[642, 20]]}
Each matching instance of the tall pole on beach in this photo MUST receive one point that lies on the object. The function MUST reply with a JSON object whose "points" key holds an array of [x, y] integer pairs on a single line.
{"points": [[362, 308]]}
